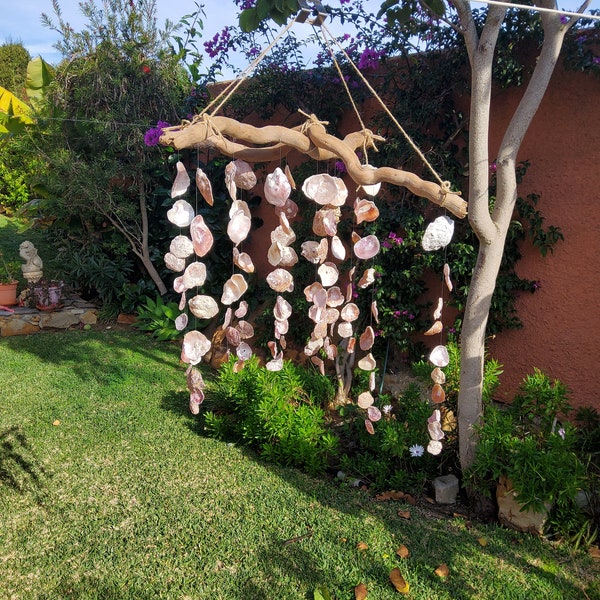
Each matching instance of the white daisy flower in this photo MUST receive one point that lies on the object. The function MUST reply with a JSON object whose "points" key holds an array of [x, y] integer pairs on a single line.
{"points": [[416, 450]]}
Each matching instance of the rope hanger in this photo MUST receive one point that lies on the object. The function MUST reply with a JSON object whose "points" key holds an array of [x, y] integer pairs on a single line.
{"points": [[311, 138]]}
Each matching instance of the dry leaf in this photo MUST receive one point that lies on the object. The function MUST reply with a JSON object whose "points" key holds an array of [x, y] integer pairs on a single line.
{"points": [[398, 581], [410, 499], [482, 541], [442, 570], [391, 495], [55, 423], [360, 591], [403, 551], [404, 514], [361, 546], [594, 552]]}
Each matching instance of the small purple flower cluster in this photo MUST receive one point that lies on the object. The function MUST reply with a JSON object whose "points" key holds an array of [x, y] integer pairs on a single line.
{"points": [[393, 239], [369, 59], [153, 134], [219, 43], [564, 19], [403, 313], [340, 167], [493, 167]]}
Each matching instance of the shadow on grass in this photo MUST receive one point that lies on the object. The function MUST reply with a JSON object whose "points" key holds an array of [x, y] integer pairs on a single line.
{"points": [[19, 467]]}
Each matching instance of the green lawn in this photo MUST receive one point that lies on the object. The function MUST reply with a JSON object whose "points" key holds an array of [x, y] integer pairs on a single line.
{"points": [[108, 490]]}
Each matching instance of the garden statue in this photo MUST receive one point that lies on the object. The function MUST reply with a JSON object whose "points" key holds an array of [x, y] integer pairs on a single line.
{"points": [[32, 269]]}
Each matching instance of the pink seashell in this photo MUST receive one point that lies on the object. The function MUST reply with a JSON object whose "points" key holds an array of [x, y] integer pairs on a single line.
{"points": [[204, 186], [277, 188], [289, 208], [273, 348], [283, 236], [181, 246], [242, 309], [368, 277], [173, 263], [345, 329], [439, 356], [243, 261], [281, 328], [194, 404], [233, 289], [246, 330], [447, 277], [243, 351], [337, 248], [355, 237], [369, 427], [437, 313], [335, 296], [290, 178], [438, 376], [203, 307], [366, 247], [195, 346], [310, 290], [332, 352], [349, 292], [374, 413], [367, 363], [320, 330], [227, 319], [365, 210], [285, 225], [331, 315], [282, 309], [279, 255], [350, 312], [315, 252], [435, 328], [280, 280], [325, 189], [201, 236], [276, 364], [238, 227], [351, 345], [435, 431], [230, 180], [194, 380], [320, 298], [178, 285], [313, 346], [182, 181], [328, 272], [371, 189], [182, 301], [238, 366], [194, 275], [367, 339], [181, 213], [232, 335], [244, 176], [365, 400], [283, 342], [319, 363], [325, 222], [315, 313], [434, 447], [375, 311], [437, 393], [181, 322]]}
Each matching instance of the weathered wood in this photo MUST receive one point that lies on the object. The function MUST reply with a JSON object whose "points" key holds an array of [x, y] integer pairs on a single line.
{"points": [[312, 139]]}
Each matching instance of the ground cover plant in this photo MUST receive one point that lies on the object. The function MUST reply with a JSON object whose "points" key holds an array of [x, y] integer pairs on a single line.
{"points": [[108, 489]]}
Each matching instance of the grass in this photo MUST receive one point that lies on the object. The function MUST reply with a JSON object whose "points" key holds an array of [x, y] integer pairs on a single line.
{"points": [[108, 490]]}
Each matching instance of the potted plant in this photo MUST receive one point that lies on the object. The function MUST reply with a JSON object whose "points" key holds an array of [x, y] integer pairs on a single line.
{"points": [[46, 294], [527, 453], [8, 283]]}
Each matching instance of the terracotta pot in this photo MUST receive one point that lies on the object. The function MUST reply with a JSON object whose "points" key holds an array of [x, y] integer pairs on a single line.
{"points": [[8, 294]]}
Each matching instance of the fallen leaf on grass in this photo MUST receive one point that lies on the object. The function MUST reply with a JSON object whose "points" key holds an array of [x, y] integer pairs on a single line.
{"points": [[55, 423], [398, 581], [322, 593], [410, 499], [482, 541], [442, 570], [362, 546], [403, 551], [404, 514], [391, 495], [360, 592], [594, 552]]}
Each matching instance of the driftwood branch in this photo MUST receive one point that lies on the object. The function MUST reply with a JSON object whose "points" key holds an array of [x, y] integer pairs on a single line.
{"points": [[312, 139]]}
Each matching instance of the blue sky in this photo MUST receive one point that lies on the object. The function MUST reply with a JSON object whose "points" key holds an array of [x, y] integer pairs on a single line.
{"points": [[21, 19]]}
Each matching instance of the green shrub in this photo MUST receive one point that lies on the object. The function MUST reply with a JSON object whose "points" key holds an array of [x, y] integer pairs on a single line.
{"points": [[158, 318], [278, 413]]}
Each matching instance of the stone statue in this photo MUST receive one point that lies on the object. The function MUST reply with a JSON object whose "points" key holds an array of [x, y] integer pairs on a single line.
{"points": [[32, 269]]}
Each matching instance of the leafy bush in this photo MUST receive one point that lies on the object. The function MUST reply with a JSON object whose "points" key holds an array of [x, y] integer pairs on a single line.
{"points": [[278, 413], [158, 318]]}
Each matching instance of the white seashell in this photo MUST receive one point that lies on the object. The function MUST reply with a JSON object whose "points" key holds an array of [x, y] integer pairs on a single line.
{"points": [[173, 263], [276, 364], [367, 363], [329, 274], [230, 180], [280, 280], [367, 247], [194, 275], [350, 312], [315, 313], [365, 210], [201, 236], [246, 330], [243, 261], [439, 356], [227, 319], [447, 277], [335, 296], [244, 176], [438, 376], [435, 328], [285, 238], [238, 227], [178, 285], [181, 246], [242, 309], [371, 189], [233, 289], [204, 186], [282, 309], [182, 181], [438, 234], [182, 301], [367, 339], [277, 188], [434, 447], [315, 252], [345, 329], [203, 307], [288, 257], [181, 213], [313, 346], [365, 400], [435, 431], [243, 351], [195, 345], [325, 189], [372, 381], [368, 277], [281, 328], [437, 313], [289, 209], [239, 205], [337, 248], [375, 311], [181, 322]]}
